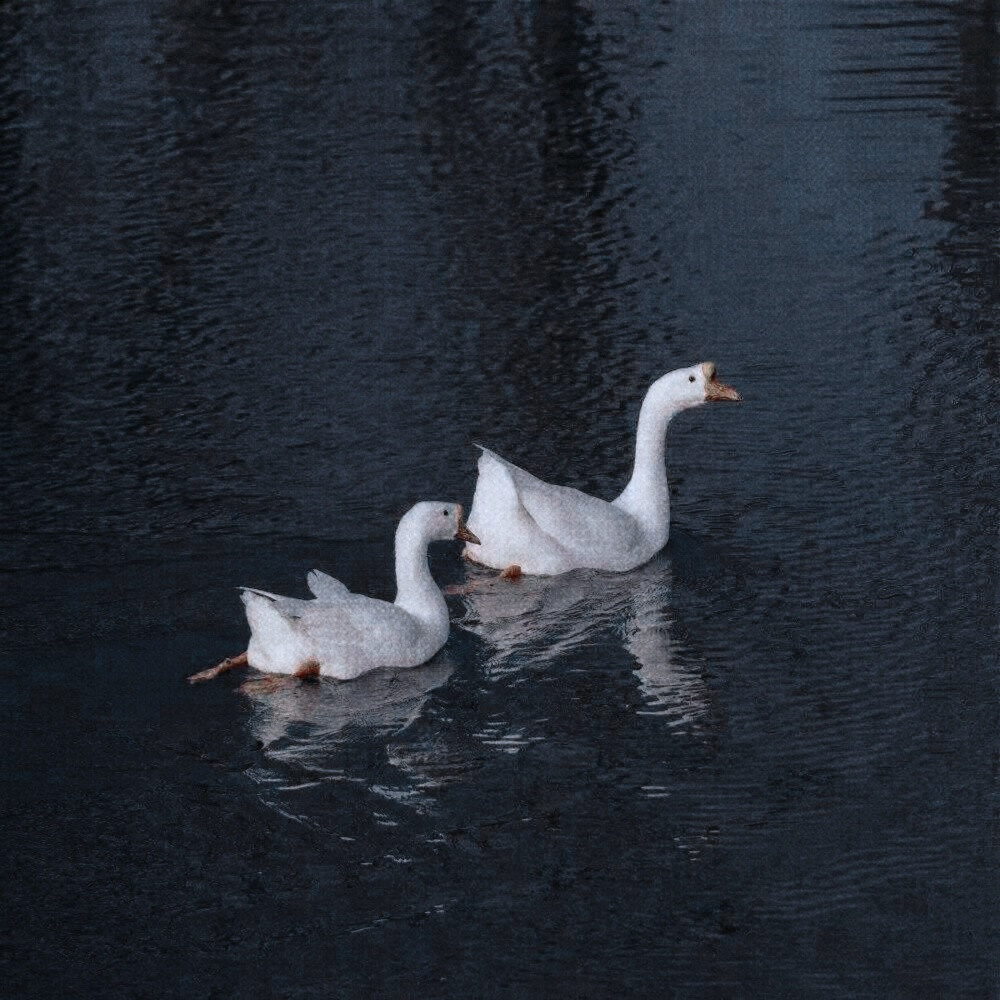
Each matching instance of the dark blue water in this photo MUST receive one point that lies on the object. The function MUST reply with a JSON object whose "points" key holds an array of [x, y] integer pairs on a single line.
{"points": [[266, 271]]}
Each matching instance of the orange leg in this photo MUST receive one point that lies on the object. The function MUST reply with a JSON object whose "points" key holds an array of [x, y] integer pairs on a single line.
{"points": [[512, 573], [269, 683], [229, 663]]}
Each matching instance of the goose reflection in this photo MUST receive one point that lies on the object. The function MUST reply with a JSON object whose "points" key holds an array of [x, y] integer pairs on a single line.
{"points": [[531, 622], [328, 731], [668, 674], [309, 717]]}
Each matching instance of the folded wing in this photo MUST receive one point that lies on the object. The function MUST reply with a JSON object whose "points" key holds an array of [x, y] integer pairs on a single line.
{"points": [[360, 631], [596, 532], [325, 588]]}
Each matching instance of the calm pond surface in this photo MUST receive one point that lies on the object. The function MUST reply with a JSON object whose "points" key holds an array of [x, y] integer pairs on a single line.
{"points": [[269, 270]]}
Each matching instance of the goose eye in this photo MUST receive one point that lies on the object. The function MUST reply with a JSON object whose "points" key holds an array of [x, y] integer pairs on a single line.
{"points": [[690, 378], [444, 513]]}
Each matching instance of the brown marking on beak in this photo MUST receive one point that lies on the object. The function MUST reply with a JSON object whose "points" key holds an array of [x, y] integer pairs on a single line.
{"points": [[462, 532], [715, 391], [465, 535]]}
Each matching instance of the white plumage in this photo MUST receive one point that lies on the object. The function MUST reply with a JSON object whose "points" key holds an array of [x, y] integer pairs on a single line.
{"points": [[546, 529], [343, 635]]}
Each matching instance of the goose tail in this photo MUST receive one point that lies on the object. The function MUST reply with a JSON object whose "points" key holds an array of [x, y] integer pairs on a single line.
{"points": [[276, 643]]}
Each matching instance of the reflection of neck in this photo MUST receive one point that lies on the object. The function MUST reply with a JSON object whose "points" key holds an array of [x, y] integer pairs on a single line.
{"points": [[416, 591], [647, 496]]}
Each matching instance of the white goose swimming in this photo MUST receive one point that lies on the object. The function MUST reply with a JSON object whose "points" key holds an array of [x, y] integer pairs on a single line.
{"points": [[343, 635], [531, 526]]}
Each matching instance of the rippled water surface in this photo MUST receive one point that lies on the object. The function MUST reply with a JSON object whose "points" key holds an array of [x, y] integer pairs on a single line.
{"points": [[267, 272]]}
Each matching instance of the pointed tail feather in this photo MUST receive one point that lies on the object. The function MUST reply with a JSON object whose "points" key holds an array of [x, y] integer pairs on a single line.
{"points": [[275, 642]]}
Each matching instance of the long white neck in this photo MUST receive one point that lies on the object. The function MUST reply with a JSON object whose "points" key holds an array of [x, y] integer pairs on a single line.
{"points": [[416, 591], [647, 496]]}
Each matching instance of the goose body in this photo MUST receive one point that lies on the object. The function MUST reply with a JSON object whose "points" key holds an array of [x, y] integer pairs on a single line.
{"points": [[343, 635], [546, 529]]}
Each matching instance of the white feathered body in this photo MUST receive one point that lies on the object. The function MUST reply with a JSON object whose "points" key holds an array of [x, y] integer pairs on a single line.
{"points": [[343, 635], [547, 529]]}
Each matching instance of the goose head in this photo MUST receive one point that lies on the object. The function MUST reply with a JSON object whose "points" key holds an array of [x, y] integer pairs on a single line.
{"points": [[439, 521], [689, 387]]}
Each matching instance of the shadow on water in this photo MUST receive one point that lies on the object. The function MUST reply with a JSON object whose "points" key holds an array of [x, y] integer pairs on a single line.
{"points": [[969, 202], [943, 325], [528, 138], [931, 285]]}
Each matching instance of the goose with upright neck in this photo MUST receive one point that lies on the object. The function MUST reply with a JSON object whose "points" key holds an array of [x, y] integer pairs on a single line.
{"points": [[534, 527], [343, 635]]}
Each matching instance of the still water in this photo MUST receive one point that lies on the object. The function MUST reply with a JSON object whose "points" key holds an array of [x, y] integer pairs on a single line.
{"points": [[267, 272]]}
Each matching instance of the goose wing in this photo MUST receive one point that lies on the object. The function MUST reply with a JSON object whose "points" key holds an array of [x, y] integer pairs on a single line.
{"points": [[359, 630], [325, 588], [290, 608], [595, 531]]}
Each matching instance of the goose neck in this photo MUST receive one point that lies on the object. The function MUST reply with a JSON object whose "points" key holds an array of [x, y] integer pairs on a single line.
{"points": [[647, 495], [416, 591]]}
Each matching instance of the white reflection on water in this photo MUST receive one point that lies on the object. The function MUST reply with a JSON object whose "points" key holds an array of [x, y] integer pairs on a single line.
{"points": [[377, 731], [315, 733], [307, 720], [668, 674], [530, 622]]}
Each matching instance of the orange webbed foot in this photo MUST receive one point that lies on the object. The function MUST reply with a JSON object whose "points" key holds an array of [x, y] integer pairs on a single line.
{"points": [[229, 663], [270, 683], [512, 573]]}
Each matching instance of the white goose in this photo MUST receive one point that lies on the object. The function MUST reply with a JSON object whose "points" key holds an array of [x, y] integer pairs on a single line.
{"points": [[343, 635], [531, 526]]}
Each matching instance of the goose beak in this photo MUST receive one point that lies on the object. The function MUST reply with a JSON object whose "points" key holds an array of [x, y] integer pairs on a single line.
{"points": [[462, 532], [465, 535], [715, 391]]}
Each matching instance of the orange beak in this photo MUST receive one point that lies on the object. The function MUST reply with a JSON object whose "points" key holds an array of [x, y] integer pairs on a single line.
{"points": [[462, 532], [715, 391], [465, 535]]}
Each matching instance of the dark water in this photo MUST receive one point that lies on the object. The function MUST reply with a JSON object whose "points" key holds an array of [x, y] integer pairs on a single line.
{"points": [[268, 269]]}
